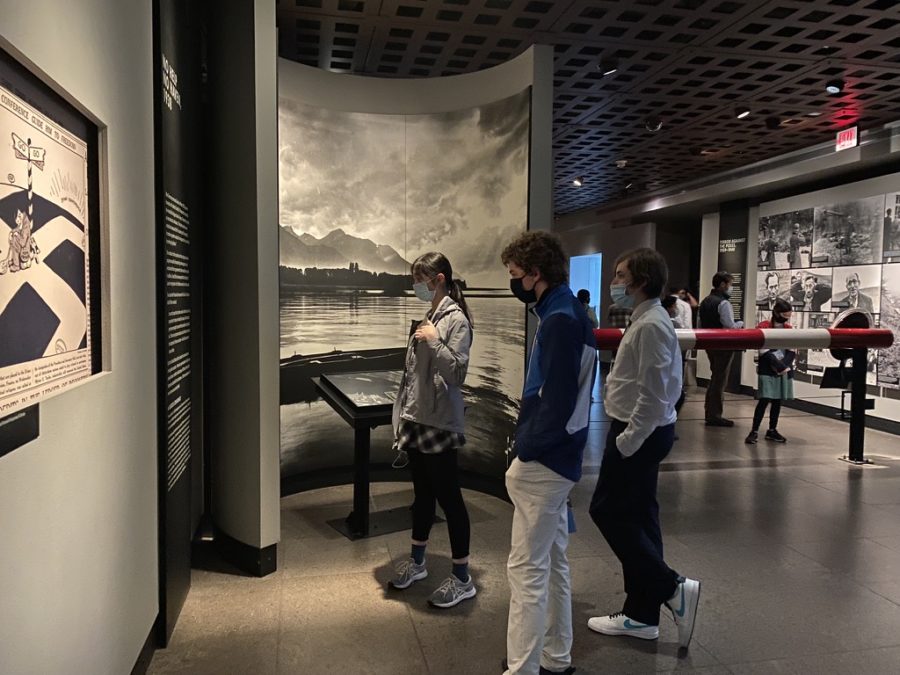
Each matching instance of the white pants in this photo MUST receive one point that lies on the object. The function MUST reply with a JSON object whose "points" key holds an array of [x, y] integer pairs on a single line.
{"points": [[539, 632]]}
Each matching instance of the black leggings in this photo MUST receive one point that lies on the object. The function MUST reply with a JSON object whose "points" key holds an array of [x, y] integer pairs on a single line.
{"points": [[436, 479], [761, 411]]}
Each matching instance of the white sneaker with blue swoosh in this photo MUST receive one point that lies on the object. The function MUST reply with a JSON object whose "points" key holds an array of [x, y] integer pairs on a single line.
{"points": [[684, 608], [619, 624]]}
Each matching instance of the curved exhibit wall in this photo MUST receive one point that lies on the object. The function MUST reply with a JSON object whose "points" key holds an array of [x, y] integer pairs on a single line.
{"points": [[373, 173]]}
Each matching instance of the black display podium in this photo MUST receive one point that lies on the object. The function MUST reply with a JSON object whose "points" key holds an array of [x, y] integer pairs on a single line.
{"points": [[364, 400]]}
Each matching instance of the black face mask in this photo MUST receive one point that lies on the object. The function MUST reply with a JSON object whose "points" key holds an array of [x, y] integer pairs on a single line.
{"points": [[515, 285]]}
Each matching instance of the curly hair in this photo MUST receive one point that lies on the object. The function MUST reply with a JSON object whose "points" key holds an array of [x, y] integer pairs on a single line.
{"points": [[541, 251]]}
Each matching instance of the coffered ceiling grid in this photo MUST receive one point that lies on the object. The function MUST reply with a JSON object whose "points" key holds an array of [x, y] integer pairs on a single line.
{"points": [[689, 63]]}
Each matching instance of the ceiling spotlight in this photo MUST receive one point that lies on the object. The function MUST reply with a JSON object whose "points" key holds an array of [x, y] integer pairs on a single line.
{"points": [[835, 87], [621, 163], [814, 114], [741, 112], [578, 182], [653, 124], [609, 65], [773, 123]]}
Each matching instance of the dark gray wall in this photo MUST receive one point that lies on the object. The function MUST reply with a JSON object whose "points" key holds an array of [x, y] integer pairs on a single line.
{"points": [[242, 288]]}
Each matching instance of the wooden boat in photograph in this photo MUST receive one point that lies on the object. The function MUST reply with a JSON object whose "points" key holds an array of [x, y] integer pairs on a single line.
{"points": [[297, 371]]}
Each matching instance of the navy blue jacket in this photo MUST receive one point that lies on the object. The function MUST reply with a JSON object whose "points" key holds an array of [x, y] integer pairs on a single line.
{"points": [[553, 419]]}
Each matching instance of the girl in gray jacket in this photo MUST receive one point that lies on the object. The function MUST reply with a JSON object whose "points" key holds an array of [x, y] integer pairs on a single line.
{"points": [[428, 424]]}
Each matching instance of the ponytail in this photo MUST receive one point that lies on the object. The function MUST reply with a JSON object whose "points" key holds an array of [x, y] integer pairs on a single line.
{"points": [[456, 294]]}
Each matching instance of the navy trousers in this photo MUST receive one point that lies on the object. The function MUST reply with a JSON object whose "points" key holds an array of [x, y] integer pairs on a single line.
{"points": [[625, 509]]}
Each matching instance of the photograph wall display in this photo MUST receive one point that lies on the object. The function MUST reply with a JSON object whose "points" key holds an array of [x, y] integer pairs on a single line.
{"points": [[889, 359], [849, 233], [48, 216], [892, 227], [362, 196], [785, 240], [858, 288], [771, 285]]}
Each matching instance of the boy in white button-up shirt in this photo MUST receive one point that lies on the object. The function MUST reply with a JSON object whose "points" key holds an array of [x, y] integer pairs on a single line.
{"points": [[641, 392]]}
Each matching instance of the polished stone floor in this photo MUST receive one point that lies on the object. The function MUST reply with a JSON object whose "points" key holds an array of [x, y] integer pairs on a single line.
{"points": [[799, 555]]}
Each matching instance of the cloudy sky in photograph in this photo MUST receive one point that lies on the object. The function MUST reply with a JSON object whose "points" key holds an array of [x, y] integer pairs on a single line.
{"points": [[455, 182]]}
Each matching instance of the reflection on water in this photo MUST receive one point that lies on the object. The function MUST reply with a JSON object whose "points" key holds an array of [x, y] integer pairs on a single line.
{"points": [[313, 436]]}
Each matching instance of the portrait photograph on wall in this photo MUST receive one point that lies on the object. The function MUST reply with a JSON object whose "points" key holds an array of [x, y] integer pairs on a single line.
{"points": [[849, 233], [811, 290], [857, 288], [785, 240], [48, 232], [361, 197], [770, 286], [889, 359]]}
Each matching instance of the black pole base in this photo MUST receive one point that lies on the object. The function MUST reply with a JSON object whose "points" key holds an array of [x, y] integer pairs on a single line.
{"points": [[855, 462]]}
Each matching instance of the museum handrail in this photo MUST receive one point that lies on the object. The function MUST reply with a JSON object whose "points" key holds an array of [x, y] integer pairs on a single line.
{"points": [[759, 338]]}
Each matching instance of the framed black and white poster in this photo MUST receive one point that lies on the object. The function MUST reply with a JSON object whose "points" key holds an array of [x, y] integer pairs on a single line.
{"points": [[49, 241]]}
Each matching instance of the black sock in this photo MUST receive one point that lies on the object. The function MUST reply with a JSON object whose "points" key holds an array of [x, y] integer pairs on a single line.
{"points": [[461, 571], [418, 553]]}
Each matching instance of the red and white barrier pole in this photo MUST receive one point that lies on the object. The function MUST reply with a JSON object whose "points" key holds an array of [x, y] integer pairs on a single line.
{"points": [[859, 340], [765, 338]]}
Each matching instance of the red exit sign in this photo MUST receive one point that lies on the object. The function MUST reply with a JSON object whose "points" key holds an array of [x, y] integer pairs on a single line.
{"points": [[848, 138]]}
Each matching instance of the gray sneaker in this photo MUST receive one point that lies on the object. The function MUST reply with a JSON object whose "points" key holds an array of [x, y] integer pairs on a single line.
{"points": [[407, 573], [452, 592]]}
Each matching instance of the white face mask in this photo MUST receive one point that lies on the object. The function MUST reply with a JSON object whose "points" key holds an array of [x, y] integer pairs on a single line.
{"points": [[619, 294], [423, 293]]}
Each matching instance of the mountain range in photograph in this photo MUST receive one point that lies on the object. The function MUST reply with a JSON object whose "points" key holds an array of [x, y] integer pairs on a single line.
{"points": [[336, 250]]}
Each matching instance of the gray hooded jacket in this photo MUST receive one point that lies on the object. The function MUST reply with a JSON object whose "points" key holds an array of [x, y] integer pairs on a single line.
{"points": [[430, 391]]}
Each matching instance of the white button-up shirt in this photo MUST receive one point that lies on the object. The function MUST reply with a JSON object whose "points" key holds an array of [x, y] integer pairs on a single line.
{"points": [[684, 313], [645, 381]]}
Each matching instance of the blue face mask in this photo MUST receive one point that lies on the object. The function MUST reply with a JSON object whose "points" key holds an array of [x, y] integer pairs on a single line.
{"points": [[620, 295], [422, 291]]}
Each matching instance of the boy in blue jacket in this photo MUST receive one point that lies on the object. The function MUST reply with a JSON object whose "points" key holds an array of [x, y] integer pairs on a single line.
{"points": [[550, 438]]}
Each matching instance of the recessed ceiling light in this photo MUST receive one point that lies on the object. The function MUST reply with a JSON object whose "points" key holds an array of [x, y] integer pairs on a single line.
{"points": [[578, 181], [741, 112], [609, 65], [628, 187], [653, 124], [835, 86], [813, 114], [621, 163]]}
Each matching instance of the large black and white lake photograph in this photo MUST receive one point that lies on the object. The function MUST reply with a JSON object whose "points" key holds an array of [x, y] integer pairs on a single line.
{"points": [[363, 195], [849, 233]]}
